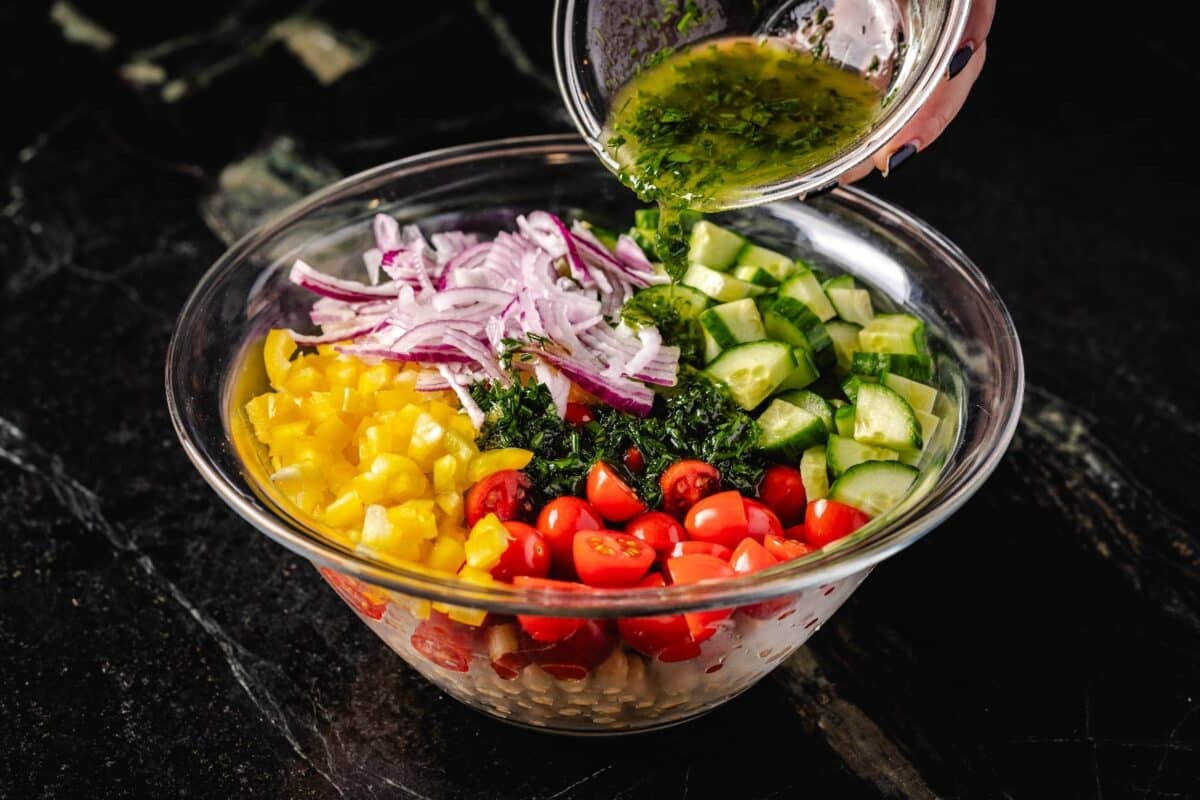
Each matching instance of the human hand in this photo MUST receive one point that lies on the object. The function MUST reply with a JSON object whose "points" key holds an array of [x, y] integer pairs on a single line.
{"points": [[945, 102]]}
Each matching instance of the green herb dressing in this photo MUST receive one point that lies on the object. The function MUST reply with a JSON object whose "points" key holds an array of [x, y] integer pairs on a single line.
{"points": [[712, 120]]}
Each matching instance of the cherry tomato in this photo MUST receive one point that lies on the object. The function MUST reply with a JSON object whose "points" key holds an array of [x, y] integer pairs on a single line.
{"points": [[504, 493], [611, 559], [572, 658], [548, 629], [558, 523], [504, 650], [704, 548], [719, 518], [660, 531], [366, 600], [751, 556], [634, 460], [828, 520], [444, 642], [782, 490], [698, 568], [760, 520], [798, 532], [610, 495], [578, 414], [686, 483], [785, 549], [664, 637], [527, 553]]}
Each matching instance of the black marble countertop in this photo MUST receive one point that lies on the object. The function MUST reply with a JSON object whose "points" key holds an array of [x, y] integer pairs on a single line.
{"points": [[1045, 642]]}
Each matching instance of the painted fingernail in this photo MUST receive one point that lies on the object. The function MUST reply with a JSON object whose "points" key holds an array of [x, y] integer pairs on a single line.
{"points": [[959, 60], [899, 157]]}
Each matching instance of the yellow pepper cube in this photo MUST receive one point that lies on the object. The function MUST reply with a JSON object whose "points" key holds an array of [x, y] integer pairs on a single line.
{"points": [[303, 378], [426, 443], [307, 500], [339, 475], [268, 410], [371, 487], [486, 543], [375, 439], [344, 512], [283, 437], [446, 555], [277, 356], [492, 461], [419, 607], [461, 424], [451, 504], [392, 399], [445, 474], [375, 378], [333, 433], [343, 372], [442, 412], [461, 447], [406, 380], [378, 533], [415, 516]]}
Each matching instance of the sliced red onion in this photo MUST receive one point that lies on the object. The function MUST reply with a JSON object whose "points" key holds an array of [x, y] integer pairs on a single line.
{"points": [[469, 258], [337, 288], [622, 395], [464, 397]]}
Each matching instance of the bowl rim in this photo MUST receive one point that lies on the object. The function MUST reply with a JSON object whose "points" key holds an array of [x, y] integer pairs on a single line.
{"points": [[887, 126], [823, 567]]}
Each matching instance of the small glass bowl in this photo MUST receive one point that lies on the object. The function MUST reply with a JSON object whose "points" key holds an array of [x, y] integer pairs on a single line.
{"points": [[212, 368], [903, 47]]}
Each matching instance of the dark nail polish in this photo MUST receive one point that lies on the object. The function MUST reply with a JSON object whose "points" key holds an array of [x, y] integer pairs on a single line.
{"points": [[959, 60], [900, 156]]}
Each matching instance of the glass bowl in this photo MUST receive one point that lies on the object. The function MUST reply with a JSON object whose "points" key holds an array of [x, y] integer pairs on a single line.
{"points": [[903, 47], [212, 368]]}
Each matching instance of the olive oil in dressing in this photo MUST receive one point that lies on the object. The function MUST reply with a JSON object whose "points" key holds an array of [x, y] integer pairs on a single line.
{"points": [[720, 117]]}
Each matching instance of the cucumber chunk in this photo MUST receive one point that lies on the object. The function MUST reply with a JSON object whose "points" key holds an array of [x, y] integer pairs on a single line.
{"points": [[733, 323], [844, 336], [805, 372], [802, 285], [756, 275], [894, 333], [850, 386], [789, 430], [813, 402], [843, 421], [929, 425], [774, 264], [714, 246], [840, 282], [646, 218], [788, 320], [852, 305], [647, 239], [906, 365], [753, 371], [873, 487], [842, 453], [882, 418], [918, 395], [814, 473], [719, 286]]}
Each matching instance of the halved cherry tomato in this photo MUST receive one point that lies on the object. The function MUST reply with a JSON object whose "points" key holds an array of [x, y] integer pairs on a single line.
{"points": [[760, 520], [798, 532], [366, 600], [504, 650], [634, 460], [527, 553], [686, 483], [612, 496], [657, 529], [558, 523], [719, 518], [751, 556], [703, 548], [549, 629], [698, 568], [828, 520], [663, 637], [785, 549], [572, 658], [444, 642], [578, 414], [504, 493], [782, 490], [611, 559]]}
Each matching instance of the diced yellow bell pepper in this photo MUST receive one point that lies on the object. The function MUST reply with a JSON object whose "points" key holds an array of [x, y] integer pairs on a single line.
{"points": [[371, 487], [333, 433], [344, 512], [461, 447], [375, 378], [491, 461], [277, 357], [378, 533], [461, 424], [445, 474], [343, 372], [302, 379], [426, 442], [415, 516], [486, 543], [447, 554], [451, 504]]}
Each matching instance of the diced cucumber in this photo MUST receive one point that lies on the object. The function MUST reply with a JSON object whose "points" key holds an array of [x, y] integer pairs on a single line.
{"points": [[814, 473], [733, 323], [775, 264], [842, 453], [906, 365], [804, 373], [852, 305], [788, 320], [883, 418], [756, 275], [837, 403], [812, 402], [843, 421], [752, 371], [873, 487], [845, 341], [929, 425], [840, 282], [719, 286], [850, 386], [789, 430], [687, 301], [918, 395], [647, 239], [607, 238], [894, 333], [802, 285], [714, 246], [646, 218]]}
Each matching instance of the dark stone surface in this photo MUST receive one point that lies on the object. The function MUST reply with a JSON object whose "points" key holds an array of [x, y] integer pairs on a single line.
{"points": [[1044, 642]]}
